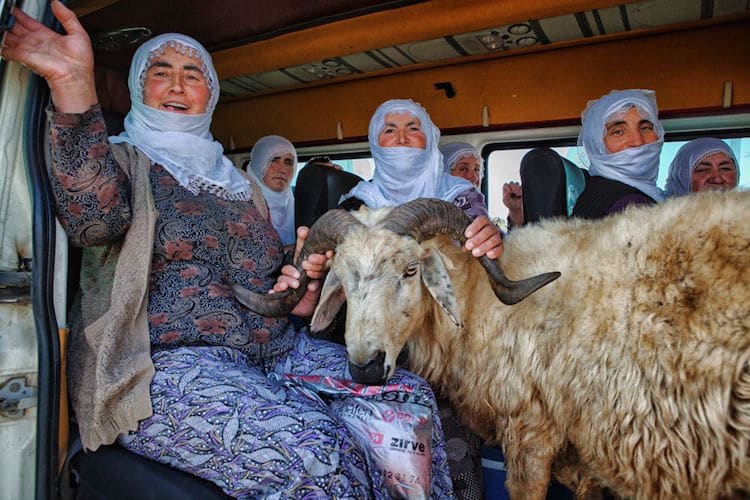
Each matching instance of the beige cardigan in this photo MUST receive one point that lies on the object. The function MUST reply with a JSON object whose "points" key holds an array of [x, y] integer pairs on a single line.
{"points": [[109, 354]]}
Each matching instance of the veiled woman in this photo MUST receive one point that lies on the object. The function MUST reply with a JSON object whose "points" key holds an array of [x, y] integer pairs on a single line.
{"points": [[273, 162], [622, 137], [703, 164], [408, 165]]}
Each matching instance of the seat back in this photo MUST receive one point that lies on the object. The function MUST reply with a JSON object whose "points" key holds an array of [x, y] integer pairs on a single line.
{"points": [[550, 184], [319, 188]]}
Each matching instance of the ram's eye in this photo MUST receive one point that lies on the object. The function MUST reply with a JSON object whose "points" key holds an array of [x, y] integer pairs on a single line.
{"points": [[410, 271]]}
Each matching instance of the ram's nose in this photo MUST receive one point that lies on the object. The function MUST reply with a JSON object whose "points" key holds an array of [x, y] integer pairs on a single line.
{"points": [[371, 373]]}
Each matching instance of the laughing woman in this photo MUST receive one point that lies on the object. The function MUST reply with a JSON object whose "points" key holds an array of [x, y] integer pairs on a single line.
{"points": [[162, 357]]}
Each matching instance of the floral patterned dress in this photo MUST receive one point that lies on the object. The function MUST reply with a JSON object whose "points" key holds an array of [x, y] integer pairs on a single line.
{"points": [[216, 412]]}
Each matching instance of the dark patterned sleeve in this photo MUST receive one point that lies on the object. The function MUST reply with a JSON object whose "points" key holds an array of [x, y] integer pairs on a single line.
{"points": [[92, 191], [471, 202]]}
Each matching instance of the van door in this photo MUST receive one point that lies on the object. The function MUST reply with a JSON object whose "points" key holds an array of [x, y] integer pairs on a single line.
{"points": [[18, 360], [29, 349]]}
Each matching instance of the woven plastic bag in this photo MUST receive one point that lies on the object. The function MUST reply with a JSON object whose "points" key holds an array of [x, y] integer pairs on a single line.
{"points": [[391, 421]]}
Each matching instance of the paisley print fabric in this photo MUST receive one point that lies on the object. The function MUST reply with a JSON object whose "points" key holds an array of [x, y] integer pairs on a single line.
{"points": [[216, 413], [202, 243]]}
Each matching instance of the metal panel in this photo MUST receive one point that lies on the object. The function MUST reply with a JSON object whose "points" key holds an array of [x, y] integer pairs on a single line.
{"points": [[611, 19], [561, 28], [660, 12], [18, 340], [430, 50], [728, 7]]}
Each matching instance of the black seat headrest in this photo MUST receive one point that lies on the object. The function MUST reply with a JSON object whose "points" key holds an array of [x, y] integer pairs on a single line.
{"points": [[550, 184], [319, 188]]}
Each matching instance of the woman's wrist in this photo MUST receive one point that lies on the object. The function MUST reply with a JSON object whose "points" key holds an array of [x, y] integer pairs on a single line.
{"points": [[75, 95], [515, 218]]}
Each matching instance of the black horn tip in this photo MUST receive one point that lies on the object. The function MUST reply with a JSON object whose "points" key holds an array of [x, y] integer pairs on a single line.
{"points": [[519, 290], [272, 305]]}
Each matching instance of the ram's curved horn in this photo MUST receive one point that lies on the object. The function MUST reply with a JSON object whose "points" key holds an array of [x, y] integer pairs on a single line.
{"points": [[424, 218], [324, 235]]}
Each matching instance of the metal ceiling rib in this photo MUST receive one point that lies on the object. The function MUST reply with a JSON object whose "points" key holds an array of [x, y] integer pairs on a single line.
{"points": [[513, 37]]}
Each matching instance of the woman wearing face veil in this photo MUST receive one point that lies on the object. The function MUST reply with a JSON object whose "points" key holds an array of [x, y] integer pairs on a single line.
{"points": [[622, 138], [408, 165], [162, 357]]}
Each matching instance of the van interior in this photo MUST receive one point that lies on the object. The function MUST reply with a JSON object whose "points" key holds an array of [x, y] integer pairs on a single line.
{"points": [[510, 77]]}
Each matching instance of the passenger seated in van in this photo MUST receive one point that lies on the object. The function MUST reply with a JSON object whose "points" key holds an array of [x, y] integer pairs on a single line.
{"points": [[622, 138], [162, 357], [461, 159], [700, 165], [273, 162], [408, 165]]}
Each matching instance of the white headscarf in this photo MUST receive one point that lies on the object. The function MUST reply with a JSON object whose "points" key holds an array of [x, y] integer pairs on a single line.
{"points": [[680, 175], [281, 203], [454, 151], [637, 167], [402, 173], [182, 144]]}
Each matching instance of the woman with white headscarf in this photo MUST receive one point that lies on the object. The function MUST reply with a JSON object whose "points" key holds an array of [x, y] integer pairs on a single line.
{"points": [[273, 162], [408, 165], [702, 164], [622, 138], [461, 159], [162, 358]]}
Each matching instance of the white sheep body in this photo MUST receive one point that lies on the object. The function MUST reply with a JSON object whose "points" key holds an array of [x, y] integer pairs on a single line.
{"points": [[631, 371]]}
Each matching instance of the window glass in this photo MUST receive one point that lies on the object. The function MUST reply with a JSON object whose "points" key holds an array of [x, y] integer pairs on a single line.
{"points": [[503, 166]]}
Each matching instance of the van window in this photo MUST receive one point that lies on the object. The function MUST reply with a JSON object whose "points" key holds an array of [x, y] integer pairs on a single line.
{"points": [[503, 162]]}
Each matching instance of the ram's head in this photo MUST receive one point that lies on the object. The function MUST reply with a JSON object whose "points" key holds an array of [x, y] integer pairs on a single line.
{"points": [[381, 270]]}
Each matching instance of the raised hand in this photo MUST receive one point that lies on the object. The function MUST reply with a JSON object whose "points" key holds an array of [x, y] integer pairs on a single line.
{"points": [[66, 62], [513, 199]]}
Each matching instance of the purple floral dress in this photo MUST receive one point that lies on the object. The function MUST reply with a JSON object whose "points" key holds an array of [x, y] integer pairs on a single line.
{"points": [[217, 414]]}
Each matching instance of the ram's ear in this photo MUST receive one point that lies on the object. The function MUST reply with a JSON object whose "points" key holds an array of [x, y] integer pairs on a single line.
{"points": [[435, 277], [332, 297]]}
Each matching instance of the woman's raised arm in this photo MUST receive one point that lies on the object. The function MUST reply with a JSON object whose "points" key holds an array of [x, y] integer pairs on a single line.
{"points": [[66, 62]]}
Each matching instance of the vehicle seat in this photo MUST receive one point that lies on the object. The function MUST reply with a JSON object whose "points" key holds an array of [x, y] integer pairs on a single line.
{"points": [[550, 184], [319, 188], [114, 473]]}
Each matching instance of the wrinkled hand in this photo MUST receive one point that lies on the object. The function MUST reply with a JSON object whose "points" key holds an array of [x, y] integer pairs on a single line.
{"points": [[513, 199], [66, 62], [483, 238], [314, 266]]}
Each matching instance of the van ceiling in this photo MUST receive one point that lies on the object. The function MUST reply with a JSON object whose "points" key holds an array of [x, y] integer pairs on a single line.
{"points": [[264, 46], [216, 24]]}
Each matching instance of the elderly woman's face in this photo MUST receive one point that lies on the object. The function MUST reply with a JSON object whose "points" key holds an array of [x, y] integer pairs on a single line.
{"points": [[629, 131], [468, 167], [174, 83], [280, 172], [714, 172], [402, 129]]}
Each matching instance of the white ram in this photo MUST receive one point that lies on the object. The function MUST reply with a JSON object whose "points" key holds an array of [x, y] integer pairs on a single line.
{"points": [[631, 371]]}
